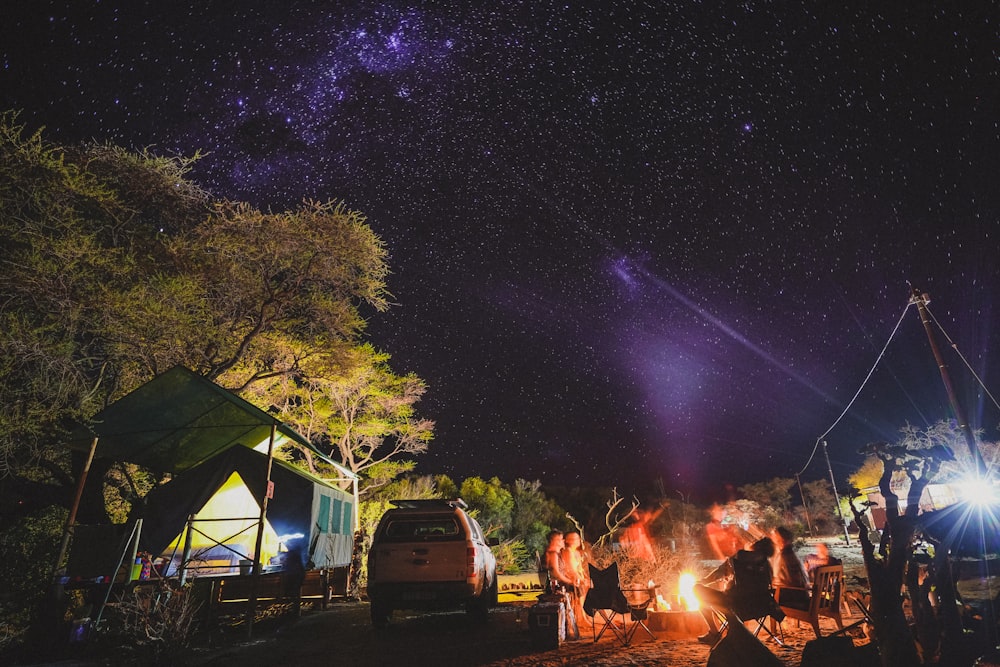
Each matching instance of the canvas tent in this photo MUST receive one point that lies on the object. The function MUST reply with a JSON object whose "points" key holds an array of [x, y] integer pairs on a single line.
{"points": [[184, 424], [221, 493]]}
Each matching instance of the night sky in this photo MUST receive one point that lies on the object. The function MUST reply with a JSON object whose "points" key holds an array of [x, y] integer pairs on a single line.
{"points": [[629, 240]]}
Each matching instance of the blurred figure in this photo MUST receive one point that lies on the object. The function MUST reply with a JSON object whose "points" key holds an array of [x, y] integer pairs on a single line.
{"points": [[636, 538], [723, 539], [819, 557], [574, 560], [788, 571], [561, 580], [728, 595]]}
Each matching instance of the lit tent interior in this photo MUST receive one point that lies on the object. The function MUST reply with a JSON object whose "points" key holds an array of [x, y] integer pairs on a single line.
{"points": [[215, 446]]}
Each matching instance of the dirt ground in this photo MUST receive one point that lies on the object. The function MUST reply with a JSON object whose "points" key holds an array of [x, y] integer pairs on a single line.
{"points": [[342, 635], [452, 638]]}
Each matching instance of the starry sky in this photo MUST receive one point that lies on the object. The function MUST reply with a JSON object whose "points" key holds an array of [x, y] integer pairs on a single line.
{"points": [[630, 241]]}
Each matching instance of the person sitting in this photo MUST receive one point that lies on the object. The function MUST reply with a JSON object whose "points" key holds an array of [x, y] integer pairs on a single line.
{"points": [[789, 575], [734, 594], [820, 557]]}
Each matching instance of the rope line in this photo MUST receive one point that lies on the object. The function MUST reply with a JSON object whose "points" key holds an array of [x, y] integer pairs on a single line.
{"points": [[858, 392], [961, 356]]}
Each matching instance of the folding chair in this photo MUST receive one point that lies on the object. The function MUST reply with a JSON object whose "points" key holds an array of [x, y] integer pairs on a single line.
{"points": [[639, 601], [607, 604], [752, 597]]}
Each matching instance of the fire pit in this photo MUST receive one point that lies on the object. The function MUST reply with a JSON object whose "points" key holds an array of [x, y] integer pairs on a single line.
{"points": [[678, 617], [677, 624]]}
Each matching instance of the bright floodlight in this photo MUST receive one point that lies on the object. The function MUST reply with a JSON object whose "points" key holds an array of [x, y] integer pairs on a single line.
{"points": [[979, 490]]}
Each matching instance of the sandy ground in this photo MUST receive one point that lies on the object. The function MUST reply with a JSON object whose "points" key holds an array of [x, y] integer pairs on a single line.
{"points": [[452, 638], [342, 635]]}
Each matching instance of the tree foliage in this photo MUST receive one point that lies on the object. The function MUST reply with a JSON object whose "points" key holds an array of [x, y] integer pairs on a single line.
{"points": [[822, 506], [351, 404], [490, 502], [868, 475], [117, 267], [775, 492]]}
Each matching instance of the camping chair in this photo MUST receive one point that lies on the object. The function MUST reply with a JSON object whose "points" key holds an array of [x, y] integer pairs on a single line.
{"points": [[639, 601], [605, 601], [752, 596]]}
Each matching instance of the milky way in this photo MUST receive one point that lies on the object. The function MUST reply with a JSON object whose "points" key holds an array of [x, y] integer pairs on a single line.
{"points": [[630, 240]]}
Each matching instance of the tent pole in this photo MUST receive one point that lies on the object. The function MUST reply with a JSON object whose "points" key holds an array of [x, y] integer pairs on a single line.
{"points": [[186, 551], [71, 519], [357, 507], [255, 580]]}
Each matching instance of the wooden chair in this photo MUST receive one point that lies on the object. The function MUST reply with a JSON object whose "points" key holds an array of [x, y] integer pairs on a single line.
{"points": [[824, 597]]}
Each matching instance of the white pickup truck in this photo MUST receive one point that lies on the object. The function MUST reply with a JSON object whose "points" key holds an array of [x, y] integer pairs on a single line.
{"points": [[429, 554]]}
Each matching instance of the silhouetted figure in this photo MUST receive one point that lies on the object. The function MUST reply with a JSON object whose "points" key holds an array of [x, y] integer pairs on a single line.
{"points": [[736, 593], [293, 573]]}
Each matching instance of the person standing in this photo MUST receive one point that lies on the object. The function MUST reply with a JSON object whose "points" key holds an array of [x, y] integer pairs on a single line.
{"points": [[562, 582], [722, 539], [575, 565]]}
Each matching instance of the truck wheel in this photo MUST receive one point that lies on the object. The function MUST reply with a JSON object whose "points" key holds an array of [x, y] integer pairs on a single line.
{"points": [[381, 612], [494, 593]]}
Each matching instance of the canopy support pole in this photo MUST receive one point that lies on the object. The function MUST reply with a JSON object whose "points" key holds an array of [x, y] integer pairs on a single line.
{"points": [[186, 551], [255, 581], [71, 519]]}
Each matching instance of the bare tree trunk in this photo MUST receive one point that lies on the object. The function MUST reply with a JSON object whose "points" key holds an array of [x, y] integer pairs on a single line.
{"points": [[954, 643], [885, 575]]}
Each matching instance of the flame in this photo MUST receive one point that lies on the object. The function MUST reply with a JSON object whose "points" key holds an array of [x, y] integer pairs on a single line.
{"points": [[661, 603], [686, 595]]}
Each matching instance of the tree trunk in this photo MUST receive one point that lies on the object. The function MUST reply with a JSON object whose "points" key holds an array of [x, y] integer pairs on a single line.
{"points": [[885, 577]]}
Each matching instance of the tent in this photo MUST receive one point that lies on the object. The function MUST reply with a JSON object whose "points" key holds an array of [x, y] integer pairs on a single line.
{"points": [[221, 494], [183, 424], [179, 419]]}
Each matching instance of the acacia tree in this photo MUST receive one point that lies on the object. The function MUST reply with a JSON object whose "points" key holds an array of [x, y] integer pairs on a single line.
{"points": [[776, 493], [354, 406], [818, 497], [117, 267]]}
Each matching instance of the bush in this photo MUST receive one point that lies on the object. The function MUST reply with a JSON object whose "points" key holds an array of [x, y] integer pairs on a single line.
{"points": [[154, 621], [29, 547], [512, 557]]}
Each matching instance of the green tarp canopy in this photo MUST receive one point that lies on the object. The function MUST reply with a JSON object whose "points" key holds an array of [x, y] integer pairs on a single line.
{"points": [[178, 420]]}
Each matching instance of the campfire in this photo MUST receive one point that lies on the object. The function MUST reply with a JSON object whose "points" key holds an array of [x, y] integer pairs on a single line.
{"points": [[676, 616], [684, 600]]}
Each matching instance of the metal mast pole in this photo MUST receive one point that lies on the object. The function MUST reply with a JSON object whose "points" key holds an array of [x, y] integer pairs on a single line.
{"points": [[805, 505], [833, 482], [921, 300]]}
